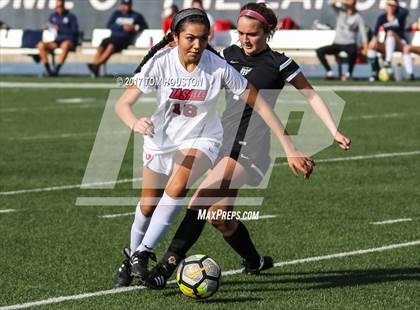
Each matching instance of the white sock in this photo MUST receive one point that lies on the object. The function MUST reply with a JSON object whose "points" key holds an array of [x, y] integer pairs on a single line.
{"points": [[163, 217], [138, 229], [408, 62], [372, 53], [389, 48]]}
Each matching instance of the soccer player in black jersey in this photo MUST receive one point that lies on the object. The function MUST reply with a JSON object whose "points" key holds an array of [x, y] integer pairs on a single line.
{"points": [[244, 158]]}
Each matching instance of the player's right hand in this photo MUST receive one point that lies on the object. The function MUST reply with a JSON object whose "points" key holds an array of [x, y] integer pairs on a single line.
{"points": [[300, 163], [144, 126]]}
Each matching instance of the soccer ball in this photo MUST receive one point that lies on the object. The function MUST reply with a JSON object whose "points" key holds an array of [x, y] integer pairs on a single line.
{"points": [[198, 276], [385, 74]]}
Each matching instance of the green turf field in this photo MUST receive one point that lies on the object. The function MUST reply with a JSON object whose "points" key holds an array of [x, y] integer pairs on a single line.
{"points": [[50, 247]]}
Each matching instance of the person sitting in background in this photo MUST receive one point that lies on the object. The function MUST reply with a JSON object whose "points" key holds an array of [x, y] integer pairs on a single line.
{"points": [[124, 23], [4, 26], [168, 15], [349, 26], [393, 22], [64, 25]]}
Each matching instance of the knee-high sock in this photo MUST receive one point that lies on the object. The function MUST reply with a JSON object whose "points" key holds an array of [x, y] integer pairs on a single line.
{"points": [[373, 58], [138, 229], [163, 217], [241, 242], [187, 234], [408, 62], [389, 48]]}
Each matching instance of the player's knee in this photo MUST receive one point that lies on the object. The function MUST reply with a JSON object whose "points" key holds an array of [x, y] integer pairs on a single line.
{"points": [[390, 33], [41, 46], [147, 209], [176, 190]]}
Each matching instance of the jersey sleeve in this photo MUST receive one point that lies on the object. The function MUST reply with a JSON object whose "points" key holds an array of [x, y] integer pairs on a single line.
{"points": [[233, 80], [147, 79], [288, 69]]}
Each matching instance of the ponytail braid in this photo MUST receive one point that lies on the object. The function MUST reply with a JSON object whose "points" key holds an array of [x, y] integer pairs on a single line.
{"points": [[165, 41]]}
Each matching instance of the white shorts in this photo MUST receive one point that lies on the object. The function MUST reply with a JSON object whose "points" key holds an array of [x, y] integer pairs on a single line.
{"points": [[164, 163]]}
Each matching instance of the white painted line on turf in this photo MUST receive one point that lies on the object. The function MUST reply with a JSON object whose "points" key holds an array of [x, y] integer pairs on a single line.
{"points": [[64, 187], [76, 100], [59, 85], [337, 159], [67, 135], [132, 201], [83, 134], [369, 88], [361, 157], [350, 88], [109, 216], [392, 221], [55, 300], [7, 210], [261, 217]]}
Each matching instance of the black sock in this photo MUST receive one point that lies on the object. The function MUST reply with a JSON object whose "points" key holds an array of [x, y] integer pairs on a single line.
{"points": [[187, 234], [375, 65], [57, 68], [48, 68], [241, 242]]}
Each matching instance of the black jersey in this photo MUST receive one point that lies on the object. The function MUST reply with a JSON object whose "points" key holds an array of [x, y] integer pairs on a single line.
{"points": [[269, 71]]}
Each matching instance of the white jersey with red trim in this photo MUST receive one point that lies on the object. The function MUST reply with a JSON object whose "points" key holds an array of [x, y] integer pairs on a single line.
{"points": [[187, 101]]}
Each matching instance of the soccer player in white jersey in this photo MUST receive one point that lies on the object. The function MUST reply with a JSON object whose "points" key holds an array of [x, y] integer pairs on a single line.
{"points": [[183, 137], [244, 155]]}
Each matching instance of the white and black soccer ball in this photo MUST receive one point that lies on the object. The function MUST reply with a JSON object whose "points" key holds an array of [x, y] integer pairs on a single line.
{"points": [[198, 276]]}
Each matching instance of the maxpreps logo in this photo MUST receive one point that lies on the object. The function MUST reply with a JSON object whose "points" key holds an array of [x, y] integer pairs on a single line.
{"points": [[188, 94]]}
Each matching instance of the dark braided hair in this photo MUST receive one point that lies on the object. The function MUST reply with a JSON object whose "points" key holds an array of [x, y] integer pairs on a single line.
{"points": [[268, 14], [181, 18]]}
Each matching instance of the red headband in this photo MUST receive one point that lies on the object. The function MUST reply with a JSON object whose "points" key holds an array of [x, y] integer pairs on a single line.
{"points": [[253, 14]]}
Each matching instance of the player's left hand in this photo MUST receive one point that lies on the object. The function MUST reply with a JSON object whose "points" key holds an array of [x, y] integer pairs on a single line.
{"points": [[342, 141]]}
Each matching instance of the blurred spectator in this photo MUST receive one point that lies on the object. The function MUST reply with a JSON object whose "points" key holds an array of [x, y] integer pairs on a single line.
{"points": [[167, 15], [63, 31], [349, 26], [393, 23], [4, 25], [287, 24], [198, 4], [124, 23]]}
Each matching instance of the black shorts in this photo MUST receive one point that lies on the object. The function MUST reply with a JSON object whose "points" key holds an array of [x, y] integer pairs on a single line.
{"points": [[118, 43], [251, 157], [59, 41]]}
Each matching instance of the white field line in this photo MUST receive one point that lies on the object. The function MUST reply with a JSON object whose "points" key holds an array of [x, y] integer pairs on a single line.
{"points": [[261, 217], [64, 187], [350, 88], [83, 134], [7, 210], [59, 299], [108, 216], [361, 157], [392, 221], [70, 105], [336, 159]]}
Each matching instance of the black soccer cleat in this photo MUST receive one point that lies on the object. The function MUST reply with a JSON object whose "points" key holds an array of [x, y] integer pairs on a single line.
{"points": [[94, 69], [266, 262], [123, 277], [139, 262], [159, 275]]}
